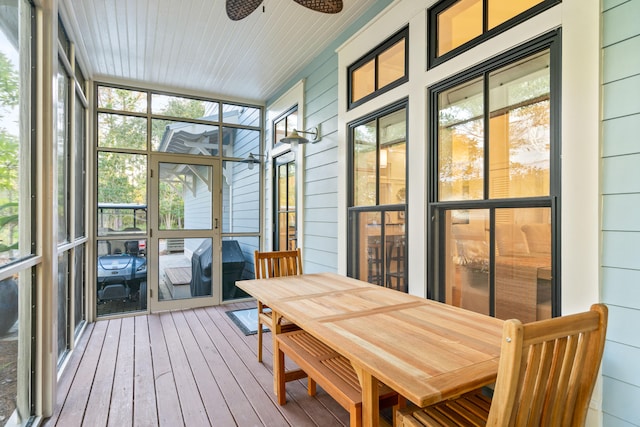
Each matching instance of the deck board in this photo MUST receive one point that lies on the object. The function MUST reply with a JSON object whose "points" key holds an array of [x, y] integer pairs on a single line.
{"points": [[181, 368]]}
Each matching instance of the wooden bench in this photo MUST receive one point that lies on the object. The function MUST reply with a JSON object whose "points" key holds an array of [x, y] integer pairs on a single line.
{"points": [[333, 372]]}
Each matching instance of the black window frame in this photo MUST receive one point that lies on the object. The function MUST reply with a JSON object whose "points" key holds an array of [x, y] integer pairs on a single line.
{"points": [[353, 247], [432, 18], [436, 210], [373, 55]]}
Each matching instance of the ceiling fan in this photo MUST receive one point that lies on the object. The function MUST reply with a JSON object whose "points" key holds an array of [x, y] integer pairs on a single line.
{"points": [[239, 9]]}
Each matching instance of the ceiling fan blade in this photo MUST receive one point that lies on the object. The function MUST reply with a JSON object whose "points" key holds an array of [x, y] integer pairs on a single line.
{"points": [[239, 9], [325, 6]]}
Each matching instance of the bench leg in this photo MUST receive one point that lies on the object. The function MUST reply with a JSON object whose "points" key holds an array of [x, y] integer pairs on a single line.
{"points": [[260, 308], [311, 387], [355, 415]]}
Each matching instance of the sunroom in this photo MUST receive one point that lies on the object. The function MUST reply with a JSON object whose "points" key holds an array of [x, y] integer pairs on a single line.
{"points": [[480, 153]]}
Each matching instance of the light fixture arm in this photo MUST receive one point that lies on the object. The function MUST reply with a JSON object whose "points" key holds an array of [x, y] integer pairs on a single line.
{"points": [[294, 136]]}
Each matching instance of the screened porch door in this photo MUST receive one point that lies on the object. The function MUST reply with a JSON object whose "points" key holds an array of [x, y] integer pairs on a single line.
{"points": [[184, 233]]}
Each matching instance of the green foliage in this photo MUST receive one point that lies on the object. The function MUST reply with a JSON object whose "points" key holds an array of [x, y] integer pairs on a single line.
{"points": [[9, 81]]}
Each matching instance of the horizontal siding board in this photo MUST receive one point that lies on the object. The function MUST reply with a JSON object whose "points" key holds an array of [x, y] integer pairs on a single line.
{"points": [[620, 22], [320, 201], [620, 362], [609, 4], [321, 243], [326, 68], [620, 212], [621, 97], [622, 287], [322, 215], [323, 186], [611, 421], [621, 175], [616, 135], [618, 63], [620, 249], [623, 326], [622, 400]]}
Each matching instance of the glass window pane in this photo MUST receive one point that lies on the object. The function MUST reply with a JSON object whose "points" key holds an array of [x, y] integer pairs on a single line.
{"points": [[11, 289], [237, 142], [240, 198], [115, 186], [184, 138], [63, 155], [15, 134], [120, 131], [279, 130], [363, 81], [458, 24], [121, 218], [188, 108], [391, 64], [520, 134], [63, 305], [78, 288], [393, 131], [80, 168], [292, 122], [240, 115], [237, 264], [523, 264], [466, 249], [461, 142], [121, 276], [365, 165], [122, 99], [370, 257], [185, 196], [500, 11], [185, 268]]}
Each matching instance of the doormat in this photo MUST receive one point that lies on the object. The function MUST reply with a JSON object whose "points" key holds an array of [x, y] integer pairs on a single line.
{"points": [[247, 320]]}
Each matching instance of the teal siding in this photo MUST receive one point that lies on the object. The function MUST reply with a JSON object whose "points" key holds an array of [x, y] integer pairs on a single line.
{"points": [[321, 160], [620, 207]]}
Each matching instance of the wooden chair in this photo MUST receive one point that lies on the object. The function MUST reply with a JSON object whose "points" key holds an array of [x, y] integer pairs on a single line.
{"points": [[546, 375], [274, 264]]}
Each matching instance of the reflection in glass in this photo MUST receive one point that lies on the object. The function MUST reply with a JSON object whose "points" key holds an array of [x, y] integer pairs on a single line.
{"points": [[184, 268], [120, 131], [364, 164], [286, 209], [391, 64], [458, 24], [523, 264], [122, 99], [461, 142], [184, 196], [392, 167], [363, 81], [466, 259], [184, 138], [78, 288], [520, 129], [187, 108]]}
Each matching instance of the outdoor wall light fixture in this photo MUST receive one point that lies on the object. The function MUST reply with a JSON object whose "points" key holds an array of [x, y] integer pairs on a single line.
{"points": [[252, 160], [295, 138]]}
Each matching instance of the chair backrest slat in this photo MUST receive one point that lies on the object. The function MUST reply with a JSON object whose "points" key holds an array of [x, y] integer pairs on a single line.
{"points": [[277, 263], [548, 370]]}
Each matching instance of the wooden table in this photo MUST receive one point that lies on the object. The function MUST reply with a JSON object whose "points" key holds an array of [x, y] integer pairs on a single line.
{"points": [[425, 350]]}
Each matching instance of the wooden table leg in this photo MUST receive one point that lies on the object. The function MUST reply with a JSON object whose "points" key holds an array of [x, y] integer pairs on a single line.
{"points": [[370, 398], [278, 374]]}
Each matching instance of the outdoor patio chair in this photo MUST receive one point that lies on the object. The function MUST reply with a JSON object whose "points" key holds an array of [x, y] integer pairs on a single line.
{"points": [[274, 264], [546, 376]]}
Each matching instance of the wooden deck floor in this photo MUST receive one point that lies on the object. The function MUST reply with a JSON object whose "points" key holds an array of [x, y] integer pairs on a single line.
{"points": [[191, 368]]}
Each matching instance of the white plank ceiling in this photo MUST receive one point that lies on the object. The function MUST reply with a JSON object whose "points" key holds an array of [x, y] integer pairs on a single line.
{"points": [[192, 46]]}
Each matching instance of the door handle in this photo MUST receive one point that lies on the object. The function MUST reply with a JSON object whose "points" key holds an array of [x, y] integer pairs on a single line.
{"points": [[216, 224]]}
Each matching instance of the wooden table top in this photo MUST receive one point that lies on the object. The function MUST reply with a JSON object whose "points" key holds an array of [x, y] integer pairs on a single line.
{"points": [[425, 350]]}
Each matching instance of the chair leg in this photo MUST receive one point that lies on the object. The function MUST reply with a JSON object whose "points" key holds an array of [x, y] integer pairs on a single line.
{"points": [[259, 342]]}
